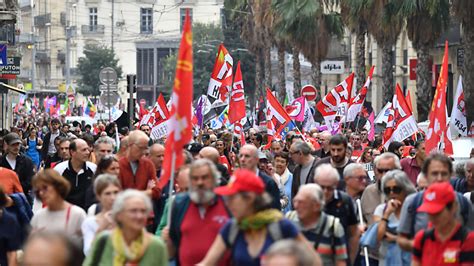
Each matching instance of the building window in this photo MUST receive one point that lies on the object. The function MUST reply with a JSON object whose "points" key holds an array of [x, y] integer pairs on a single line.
{"points": [[145, 66], [93, 19], [146, 20], [182, 12]]}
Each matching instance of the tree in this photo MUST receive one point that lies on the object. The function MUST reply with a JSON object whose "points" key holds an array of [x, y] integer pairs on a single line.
{"points": [[426, 20], [464, 10], [385, 24], [206, 40], [95, 58], [310, 25], [354, 14]]}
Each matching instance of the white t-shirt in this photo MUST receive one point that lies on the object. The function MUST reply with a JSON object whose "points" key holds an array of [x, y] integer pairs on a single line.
{"points": [[11, 162], [58, 221], [89, 228]]}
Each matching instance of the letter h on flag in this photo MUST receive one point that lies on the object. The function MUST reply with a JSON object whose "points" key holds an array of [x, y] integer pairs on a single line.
{"points": [[180, 125]]}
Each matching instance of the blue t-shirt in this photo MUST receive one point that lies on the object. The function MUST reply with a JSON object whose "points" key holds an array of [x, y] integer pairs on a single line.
{"points": [[240, 254], [10, 236]]}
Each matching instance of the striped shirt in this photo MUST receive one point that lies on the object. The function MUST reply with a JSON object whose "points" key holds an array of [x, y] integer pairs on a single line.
{"points": [[332, 244]]}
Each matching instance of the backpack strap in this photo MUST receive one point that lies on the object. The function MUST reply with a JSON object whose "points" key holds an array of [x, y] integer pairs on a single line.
{"points": [[320, 233], [464, 207], [233, 232], [333, 236], [417, 201], [429, 233], [101, 242], [275, 232], [472, 197]]}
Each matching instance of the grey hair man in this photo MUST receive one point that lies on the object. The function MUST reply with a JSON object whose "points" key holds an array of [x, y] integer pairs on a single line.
{"points": [[373, 196], [340, 205], [103, 146], [355, 177], [212, 154], [300, 154], [289, 253], [321, 229], [199, 208]]}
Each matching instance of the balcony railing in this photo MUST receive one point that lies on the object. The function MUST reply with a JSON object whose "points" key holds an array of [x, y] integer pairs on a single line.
{"points": [[42, 20], [92, 29]]}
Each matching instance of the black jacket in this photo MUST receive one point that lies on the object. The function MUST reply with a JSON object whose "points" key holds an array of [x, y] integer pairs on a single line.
{"points": [[46, 141], [272, 188], [295, 185], [24, 168]]}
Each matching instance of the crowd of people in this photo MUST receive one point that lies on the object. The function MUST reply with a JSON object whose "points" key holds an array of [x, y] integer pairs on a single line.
{"points": [[91, 195]]}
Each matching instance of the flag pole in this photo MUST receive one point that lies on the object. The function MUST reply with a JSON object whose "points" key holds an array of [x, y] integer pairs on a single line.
{"points": [[301, 133], [170, 191]]}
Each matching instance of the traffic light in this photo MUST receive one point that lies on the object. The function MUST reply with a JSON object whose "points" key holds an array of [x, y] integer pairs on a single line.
{"points": [[132, 83]]}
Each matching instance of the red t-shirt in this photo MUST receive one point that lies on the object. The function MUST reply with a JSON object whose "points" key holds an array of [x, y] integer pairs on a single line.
{"points": [[450, 252], [198, 234]]}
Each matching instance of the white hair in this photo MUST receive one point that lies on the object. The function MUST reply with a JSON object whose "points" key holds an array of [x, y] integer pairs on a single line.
{"points": [[326, 170], [350, 168], [120, 201], [315, 191], [388, 155]]}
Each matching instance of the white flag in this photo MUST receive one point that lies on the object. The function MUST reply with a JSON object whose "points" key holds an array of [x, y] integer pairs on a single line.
{"points": [[458, 114], [382, 117]]}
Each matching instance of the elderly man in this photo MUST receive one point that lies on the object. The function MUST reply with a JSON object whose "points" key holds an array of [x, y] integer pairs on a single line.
{"points": [[196, 217], [372, 196], [324, 231], [103, 146], [276, 146], [340, 205], [324, 138], [137, 171], [248, 159], [355, 177], [21, 164], [78, 171], [123, 147], [300, 154], [157, 154], [338, 159]]}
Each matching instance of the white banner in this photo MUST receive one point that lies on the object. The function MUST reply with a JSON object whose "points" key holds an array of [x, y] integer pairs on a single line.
{"points": [[159, 131]]}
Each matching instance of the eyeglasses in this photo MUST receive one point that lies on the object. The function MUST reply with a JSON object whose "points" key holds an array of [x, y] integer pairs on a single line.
{"points": [[394, 189], [294, 152]]}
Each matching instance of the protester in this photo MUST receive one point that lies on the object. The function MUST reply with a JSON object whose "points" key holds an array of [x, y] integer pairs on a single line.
{"points": [[289, 253], [396, 187], [32, 144], [300, 153], [465, 183], [340, 205], [49, 148], [103, 146], [10, 233], [129, 242], [58, 215], [9, 181], [248, 159], [157, 154], [14, 160], [284, 178], [396, 147], [412, 166], [421, 182], [254, 223], [137, 171], [52, 248], [197, 216], [372, 195], [356, 179], [437, 168], [322, 230], [324, 138], [106, 188], [338, 147], [447, 242], [276, 147], [78, 171]]}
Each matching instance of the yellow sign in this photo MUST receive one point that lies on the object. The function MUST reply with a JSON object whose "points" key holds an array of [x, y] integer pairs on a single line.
{"points": [[62, 87]]}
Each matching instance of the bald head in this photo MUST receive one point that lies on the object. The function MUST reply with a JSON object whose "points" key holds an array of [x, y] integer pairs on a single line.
{"points": [[137, 136], [248, 157], [157, 154], [209, 153]]}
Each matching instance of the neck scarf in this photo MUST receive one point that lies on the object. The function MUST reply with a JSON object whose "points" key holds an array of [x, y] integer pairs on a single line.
{"points": [[128, 254], [260, 220]]}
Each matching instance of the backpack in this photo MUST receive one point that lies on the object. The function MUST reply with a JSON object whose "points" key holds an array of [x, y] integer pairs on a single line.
{"points": [[429, 233], [418, 200], [331, 230]]}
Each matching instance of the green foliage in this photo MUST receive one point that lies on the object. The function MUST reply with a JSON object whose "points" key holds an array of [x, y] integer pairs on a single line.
{"points": [[96, 57]]}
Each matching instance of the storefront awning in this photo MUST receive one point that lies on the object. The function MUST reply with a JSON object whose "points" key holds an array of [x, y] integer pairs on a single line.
{"points": [[13, 88]]}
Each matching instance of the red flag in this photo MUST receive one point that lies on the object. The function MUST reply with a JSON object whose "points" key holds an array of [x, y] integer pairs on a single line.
{"points": [[276, 114], [158, 114], [438, 132], [238, 130], [401, 122], [221, 78], [408, 100], [357, 102], [237, 99], [336, 102], [179, 125]]}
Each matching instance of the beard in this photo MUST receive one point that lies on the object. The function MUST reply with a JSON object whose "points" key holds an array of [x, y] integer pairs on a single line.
{"points": [[201, 195]]}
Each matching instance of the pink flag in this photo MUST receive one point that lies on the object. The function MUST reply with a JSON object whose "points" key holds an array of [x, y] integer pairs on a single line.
{"points": [[296, 109], [371, 136]]}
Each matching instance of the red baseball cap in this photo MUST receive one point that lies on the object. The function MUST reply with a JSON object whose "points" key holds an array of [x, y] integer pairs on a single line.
{"points": [[242, 181], [436, 197]]}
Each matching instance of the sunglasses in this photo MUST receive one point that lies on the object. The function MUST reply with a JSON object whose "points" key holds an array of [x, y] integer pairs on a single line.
{"points": [[395, 190]]}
